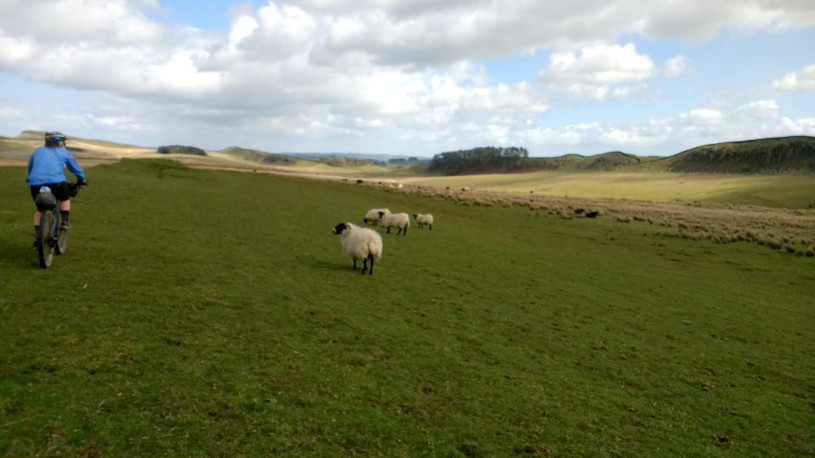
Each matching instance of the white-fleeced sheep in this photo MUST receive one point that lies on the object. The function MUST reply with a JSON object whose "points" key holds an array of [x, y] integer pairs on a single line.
{"points": [[372, 217], [397, 220], [423, 219], [360, 244]]}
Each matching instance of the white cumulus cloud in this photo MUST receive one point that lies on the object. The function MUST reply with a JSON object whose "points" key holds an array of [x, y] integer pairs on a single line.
{"points": [[599, 72], [800, 81], [370, 71]]}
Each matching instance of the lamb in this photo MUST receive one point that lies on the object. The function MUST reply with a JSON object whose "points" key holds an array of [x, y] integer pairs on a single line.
{"points": [[360, 244], [423, 219], [372, 216], [398, 220]]}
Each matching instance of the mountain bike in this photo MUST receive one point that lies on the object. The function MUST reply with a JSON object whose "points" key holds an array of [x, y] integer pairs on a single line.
{"points": [[51, 237]]}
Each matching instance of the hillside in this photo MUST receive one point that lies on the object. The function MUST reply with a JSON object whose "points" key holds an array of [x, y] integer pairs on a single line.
{"points": [[764, 156], [607, 161], [257, 156], [16, 150], [768, 156]]}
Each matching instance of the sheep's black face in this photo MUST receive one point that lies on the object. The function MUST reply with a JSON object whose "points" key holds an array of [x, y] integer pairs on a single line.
{"points": [[339, 229]]}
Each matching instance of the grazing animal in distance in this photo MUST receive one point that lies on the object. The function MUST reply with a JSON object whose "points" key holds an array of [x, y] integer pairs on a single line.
{"points": [[423, 219], [372, 217], [397, 220]]}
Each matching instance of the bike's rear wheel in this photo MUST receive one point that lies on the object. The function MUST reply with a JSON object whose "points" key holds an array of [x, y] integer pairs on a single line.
{"points": [[45, 245], [62, 237]]}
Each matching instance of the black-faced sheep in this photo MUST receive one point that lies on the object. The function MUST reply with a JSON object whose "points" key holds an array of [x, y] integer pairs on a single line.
{"points": [[372, 217], [360, 244], [423, 219], [397, 220]]}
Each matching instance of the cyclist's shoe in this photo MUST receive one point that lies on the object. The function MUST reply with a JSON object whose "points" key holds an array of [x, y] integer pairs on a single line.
{"points": [[65, 226]]}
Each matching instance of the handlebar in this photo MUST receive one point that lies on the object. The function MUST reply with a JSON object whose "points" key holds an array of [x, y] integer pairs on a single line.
{"points": [[73, 188]]}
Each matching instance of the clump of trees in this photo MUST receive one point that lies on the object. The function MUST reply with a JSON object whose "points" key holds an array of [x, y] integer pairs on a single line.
{"points": [[176, 149], [276, 159], [488, 159]]}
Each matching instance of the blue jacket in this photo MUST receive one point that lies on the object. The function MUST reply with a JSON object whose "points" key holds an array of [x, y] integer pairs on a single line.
{"points": [[47, 166]]}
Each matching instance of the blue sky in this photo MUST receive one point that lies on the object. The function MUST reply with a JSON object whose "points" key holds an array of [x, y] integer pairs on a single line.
{"points": [[410, 77]]}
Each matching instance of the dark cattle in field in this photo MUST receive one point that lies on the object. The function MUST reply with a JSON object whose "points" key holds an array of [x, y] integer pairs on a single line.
{"points": [[591, 215]]}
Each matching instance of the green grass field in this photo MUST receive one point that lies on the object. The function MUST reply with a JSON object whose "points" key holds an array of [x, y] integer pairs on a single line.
{"points": [[202, 313]]}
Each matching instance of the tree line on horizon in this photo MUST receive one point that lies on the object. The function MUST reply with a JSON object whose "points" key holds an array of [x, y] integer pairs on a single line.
{"points": [[481, 160]]}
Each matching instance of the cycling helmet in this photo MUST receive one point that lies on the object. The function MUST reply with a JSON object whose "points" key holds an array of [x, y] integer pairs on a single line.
{"points": [[54, 137]]}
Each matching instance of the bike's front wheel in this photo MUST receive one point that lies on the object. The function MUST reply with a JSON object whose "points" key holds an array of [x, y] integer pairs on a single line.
{"points": [[45, 245]]}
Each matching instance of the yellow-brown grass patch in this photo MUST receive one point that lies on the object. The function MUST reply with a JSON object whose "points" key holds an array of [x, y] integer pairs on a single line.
{"points": [[780, 229]]}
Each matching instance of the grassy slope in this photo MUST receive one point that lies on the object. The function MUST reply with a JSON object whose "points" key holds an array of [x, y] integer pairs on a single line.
{"points": [[210, 313], [20, 147], [767, 155]]}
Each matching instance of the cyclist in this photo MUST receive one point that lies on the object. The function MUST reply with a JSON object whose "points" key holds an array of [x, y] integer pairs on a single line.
{"points": [[46, 167]]}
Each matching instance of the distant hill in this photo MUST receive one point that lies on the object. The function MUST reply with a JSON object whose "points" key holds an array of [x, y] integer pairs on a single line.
{"points": [[179, 149], [16, 150], [609, 161], [383, 158], [606, 161], [795, 154], [487, 160], [752, 157], [257, 156], [763, 156]]}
